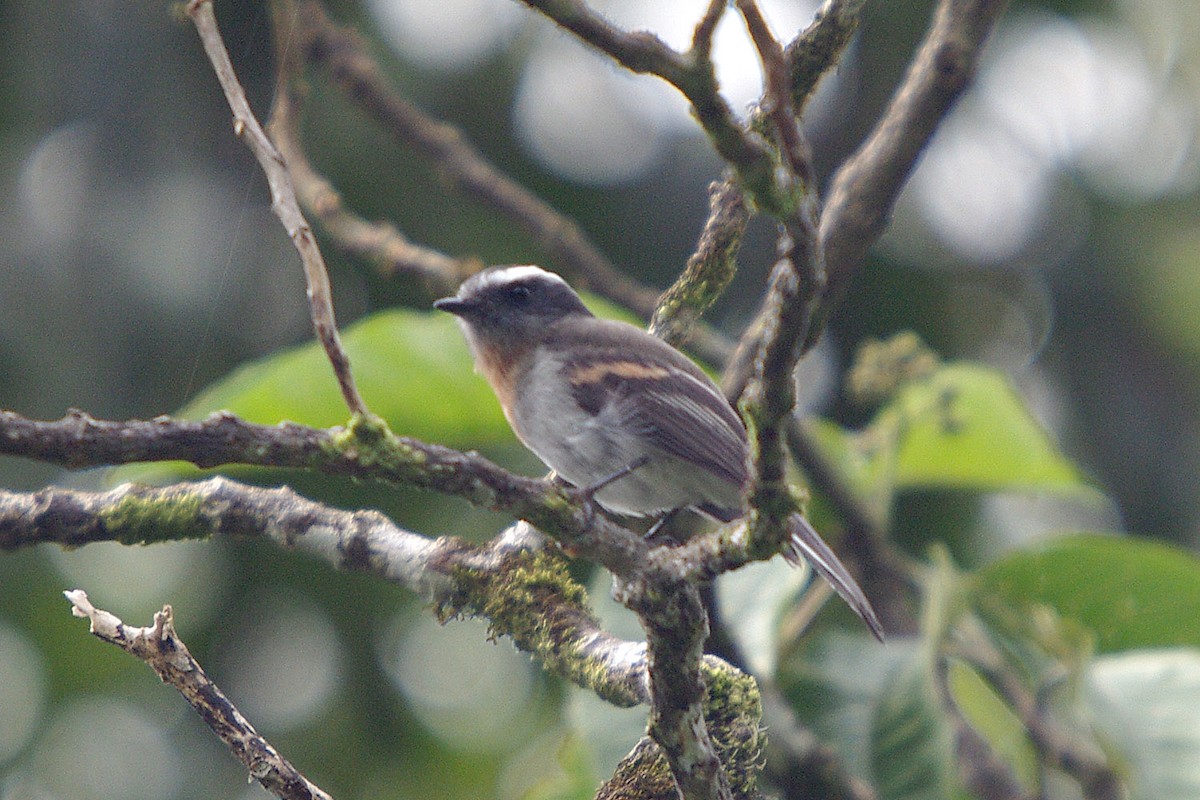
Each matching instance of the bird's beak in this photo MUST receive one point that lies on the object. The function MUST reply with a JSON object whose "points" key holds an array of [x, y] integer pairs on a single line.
{"points": [[454, 305]]}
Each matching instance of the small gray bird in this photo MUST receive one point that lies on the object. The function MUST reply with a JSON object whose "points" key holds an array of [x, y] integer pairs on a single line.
{"points": [[608, 406]]}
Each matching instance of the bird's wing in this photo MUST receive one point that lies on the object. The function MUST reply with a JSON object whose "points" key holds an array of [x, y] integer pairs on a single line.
{"points": [[656, 389], [689, 420]]}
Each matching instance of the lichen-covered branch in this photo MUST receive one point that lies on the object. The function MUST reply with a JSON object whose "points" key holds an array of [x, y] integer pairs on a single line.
{"points": [[165, 653], [521, 588], [676, 627], [527, 594], [819, 46], [732, 714], [365, 449], [283, 201], [563, 634], [796, 287], [710, 268]]}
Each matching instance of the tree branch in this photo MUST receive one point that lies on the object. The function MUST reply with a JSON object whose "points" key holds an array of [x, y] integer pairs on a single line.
{"points": [[814, 52], [776, 104], [694, 75], [377, 242], [524, 591], [1055, 746], [365, 449], [710, 268], [342, 52], [789, 322], [165, 653], [864, 189], [283, 201], [676, 626], [979, 768], [364, 540], [702, 37]]}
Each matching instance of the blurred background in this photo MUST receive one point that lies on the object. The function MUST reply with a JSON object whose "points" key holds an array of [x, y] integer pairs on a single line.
{"points": [[1052, 230]]}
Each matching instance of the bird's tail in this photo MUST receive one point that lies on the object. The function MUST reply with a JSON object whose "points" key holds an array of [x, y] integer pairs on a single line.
{"points": [[807, 543]]}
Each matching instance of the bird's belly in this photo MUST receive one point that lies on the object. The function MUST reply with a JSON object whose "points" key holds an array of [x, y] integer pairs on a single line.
{"points": [[586, 449]]}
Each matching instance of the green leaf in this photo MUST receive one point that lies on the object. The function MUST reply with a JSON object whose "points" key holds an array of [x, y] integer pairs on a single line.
{"points": [[912, 748], [961, 428], [996, 722], [1145, 703], [412, 368], [965, 427], [753, 601], [1131, 593], [835, 680]]}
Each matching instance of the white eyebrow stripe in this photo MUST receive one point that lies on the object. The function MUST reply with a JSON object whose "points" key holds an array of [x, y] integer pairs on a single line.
{"points": [[520, 273]]}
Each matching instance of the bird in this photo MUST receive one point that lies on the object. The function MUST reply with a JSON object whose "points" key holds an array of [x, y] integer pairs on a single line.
{"points": [[616, 411]]}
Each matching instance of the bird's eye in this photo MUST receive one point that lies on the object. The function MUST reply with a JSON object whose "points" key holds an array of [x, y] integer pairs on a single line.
{"points": [[519, 293]]}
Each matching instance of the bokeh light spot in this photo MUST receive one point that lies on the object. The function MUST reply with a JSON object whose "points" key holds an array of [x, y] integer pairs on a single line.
{"points": [[22, 691], [285, 663], [979, 191], [55, 181], [448, 34], [472, 693], [134, 582], [574, 113], [104, 748]]}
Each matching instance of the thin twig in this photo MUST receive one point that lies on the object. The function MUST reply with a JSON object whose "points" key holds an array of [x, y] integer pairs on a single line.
{"points": [[777, 94], [819, 46], [796, 287], [1056, 747], [798, 763], [341, 51], [165, 653], [283, 201], [710, 268], [695, 77], [886, 576], [702, 37], [865, 187], [377, 242], [979, 768]]}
